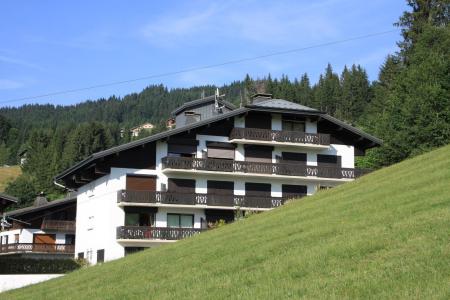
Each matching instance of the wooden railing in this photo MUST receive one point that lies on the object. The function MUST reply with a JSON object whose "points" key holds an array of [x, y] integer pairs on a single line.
{"points": [[281, 136], [150, 233], [58, 225], [282, 168], [37, 248], [200, 199]]}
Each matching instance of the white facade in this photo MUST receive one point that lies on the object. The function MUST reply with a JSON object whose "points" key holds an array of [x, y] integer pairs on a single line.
{"points": [[99, 213], [26, 236]]}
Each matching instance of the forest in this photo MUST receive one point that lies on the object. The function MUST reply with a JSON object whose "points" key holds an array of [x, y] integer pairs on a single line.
{"points": [[408, 106]]}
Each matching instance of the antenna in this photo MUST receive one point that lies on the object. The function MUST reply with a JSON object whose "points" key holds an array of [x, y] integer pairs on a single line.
{"points": [[202, 95], [217, 107]]}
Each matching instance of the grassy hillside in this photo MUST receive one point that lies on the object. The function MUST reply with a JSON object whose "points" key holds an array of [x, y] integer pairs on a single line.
{"points": [[8, 174], [386, 235]]}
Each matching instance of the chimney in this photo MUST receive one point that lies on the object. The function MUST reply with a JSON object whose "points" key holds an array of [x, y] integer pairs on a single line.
{"points": [[40, 200], [259, 97]]}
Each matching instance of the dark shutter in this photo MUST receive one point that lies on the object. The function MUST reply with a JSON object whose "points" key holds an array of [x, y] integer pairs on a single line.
{"points": [[220, 187], [258, 189], [295, 157], [220, 150], [258, 153], [182, 146], [100, 255], [289, 190], [181, 185], [262, 121], [329, 160], [141, 183]]}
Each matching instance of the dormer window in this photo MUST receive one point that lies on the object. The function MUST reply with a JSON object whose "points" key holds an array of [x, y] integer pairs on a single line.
{"points": [[192, 117]]}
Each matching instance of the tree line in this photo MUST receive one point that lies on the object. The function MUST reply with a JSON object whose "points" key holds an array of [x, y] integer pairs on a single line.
{"points": [[408, 107]]}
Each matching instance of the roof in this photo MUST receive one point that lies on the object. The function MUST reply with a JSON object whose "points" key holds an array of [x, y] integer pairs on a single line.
{"points": [[51, 204], [149, 139], [282, 104], [271, 105], [204, 100], [8, 198]]}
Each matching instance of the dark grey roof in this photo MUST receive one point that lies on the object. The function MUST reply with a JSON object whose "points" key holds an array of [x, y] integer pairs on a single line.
{"points": [[8, 198], [50, 204], [282, 104], [352, 129], [149, 139], [196, 102]]}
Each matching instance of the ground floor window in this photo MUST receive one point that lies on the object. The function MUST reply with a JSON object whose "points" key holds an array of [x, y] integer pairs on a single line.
{"points": [[100, 255], [80, 255], [70, 239], [180, 220], [139, 219], [131, 250], [16, 238]]}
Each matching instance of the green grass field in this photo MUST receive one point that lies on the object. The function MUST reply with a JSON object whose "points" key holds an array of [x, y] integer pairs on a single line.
{"points": [[386, 235], [8, 174]]}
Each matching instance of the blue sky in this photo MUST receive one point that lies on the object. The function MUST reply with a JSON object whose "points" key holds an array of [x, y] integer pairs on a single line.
{"points": [[48, 46]]}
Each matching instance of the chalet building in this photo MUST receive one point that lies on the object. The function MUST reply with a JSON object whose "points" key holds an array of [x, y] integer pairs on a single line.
{"points": [[218, 162], [44, 230], [136, 130]]}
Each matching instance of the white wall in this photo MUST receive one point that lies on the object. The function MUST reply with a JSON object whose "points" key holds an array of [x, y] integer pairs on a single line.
{"points": [[26, 235], [10, 282]]}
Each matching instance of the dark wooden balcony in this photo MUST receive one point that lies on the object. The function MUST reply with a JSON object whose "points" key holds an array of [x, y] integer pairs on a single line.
{"points": [[58, 225], [280, 136], [37, 248], [282, 168], [199, 199], [152, 233]]}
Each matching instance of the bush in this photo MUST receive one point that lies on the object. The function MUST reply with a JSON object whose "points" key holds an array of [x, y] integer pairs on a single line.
{"points": [[17, 265]]}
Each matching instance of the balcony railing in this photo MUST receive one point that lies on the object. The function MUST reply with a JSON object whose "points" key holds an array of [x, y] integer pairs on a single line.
{"points": [[280, 136], [37, 248], [200, 199], [283, 168], [58, 225], [151, 233]]}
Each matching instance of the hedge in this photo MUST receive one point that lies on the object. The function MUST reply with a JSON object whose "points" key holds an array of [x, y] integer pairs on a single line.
{"points": [[18, 265]]}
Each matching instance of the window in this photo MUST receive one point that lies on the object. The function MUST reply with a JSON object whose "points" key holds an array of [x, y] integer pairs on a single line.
{"points": [[100, 255], [131, 250], [6, 240], [16, 238], [192, 117], [70, 239], [139, 219], [80, 255], [220, 150], [180, 221], [293, 125]]}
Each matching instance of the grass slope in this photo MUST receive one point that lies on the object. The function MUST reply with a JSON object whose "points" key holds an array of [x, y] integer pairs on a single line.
{"points": [[385, 235], [8, 174]]}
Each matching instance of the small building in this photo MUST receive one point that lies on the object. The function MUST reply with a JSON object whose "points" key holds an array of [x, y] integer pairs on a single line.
{"points": [[44, 230], [136, 130], [5, 201]]}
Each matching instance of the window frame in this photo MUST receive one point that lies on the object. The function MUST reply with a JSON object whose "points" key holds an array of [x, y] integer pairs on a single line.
{"points": [[179, 220]]}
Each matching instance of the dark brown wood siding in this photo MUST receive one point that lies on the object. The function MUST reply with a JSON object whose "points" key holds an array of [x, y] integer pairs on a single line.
{"points": [[258, 153], [44, 239], [141, 183], [258, 120], [258, 189], [181, 185]]}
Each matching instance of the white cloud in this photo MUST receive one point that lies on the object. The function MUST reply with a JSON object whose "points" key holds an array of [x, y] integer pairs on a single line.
{"points": [[19, 62], [7, 84], [251, 21]]}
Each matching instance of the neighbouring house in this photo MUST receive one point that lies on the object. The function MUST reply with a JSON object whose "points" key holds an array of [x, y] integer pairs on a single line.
{"points": [[23, 157], [44, 230], [219, 162], [136, 130], [5, 201]]}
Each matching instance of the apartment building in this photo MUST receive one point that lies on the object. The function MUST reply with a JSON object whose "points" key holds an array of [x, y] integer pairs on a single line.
{"points": [[218, 162]]}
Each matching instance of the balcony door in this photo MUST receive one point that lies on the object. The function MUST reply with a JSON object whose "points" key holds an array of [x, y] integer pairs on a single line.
{"points": [[180, 191], [258, 153], [220, 193], [293, 191], [141, 183], [261, 121]]}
